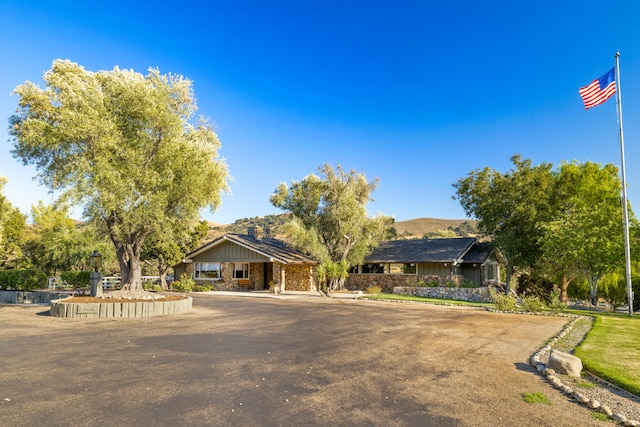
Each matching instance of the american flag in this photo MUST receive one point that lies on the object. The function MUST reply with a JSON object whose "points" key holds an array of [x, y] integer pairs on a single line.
{"points": [[599, 90]]}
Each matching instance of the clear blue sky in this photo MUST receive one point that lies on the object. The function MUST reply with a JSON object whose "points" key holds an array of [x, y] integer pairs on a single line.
{"points": [[416, 93]]}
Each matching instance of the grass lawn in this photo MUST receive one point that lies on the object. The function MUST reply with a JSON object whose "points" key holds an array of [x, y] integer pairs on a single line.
{"points": [[611, 350], [395, 297]]}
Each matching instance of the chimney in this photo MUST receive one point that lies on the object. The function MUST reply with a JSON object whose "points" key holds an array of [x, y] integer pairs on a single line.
{"points": [[252, 230], [266, 233]]}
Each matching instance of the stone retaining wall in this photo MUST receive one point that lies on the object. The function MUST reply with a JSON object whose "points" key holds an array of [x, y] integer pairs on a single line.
{"points": [[59, 308], [31, 297], [388, 282], [480, 294]]}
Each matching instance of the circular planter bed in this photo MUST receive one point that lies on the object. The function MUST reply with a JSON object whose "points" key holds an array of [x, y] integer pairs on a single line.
{"points": [[90, 307]]}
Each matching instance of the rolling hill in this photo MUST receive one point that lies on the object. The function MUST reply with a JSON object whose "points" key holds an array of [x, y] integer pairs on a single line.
{"points": [[410, 229]]}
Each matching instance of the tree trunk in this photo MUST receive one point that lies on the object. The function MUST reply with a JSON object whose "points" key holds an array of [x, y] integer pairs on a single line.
{"points": [[130, 267], [162, 272], [121, 255], [507, 287], [564, 285]]}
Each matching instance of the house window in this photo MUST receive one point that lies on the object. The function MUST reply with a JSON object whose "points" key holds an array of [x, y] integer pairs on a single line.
{"points": [[490, 271], [395, 268], [410, 269], [207, 270], [373, 268], [241, 270], [400, 268]]}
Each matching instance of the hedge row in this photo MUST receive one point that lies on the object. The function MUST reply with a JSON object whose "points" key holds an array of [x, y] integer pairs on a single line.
{"points": [[76, 279], [22, 279]]}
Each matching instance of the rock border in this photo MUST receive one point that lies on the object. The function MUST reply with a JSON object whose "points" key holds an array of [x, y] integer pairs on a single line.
{"points": [[111, 309], [550, 375]]}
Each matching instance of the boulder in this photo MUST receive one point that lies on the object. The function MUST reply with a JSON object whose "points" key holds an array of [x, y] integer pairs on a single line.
{"points": [[565, 363]]}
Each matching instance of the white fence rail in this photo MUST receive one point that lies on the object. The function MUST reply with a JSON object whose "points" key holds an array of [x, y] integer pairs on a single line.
{"points": [[108, 282]]}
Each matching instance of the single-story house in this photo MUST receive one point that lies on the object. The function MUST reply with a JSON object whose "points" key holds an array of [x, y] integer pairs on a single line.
{"points": [[405, 262], [249, 262]]}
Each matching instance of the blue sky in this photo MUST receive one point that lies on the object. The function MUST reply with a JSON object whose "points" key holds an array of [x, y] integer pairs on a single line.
{"points": [[416, 93]]}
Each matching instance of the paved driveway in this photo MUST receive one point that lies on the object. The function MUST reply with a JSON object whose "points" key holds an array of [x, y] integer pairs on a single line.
{"points": [[238, 361]]}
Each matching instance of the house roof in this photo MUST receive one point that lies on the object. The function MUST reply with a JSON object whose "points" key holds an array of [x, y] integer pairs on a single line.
{"points": [[479, 253], [268, 247], [422, 250]]}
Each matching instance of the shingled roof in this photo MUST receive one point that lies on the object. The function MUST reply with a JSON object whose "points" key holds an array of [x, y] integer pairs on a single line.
{"points": [[269, 247], [479, 253], [422, 250]]}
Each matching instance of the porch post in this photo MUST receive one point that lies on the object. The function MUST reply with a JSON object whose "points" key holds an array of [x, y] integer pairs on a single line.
{"points": [[283, 277]]}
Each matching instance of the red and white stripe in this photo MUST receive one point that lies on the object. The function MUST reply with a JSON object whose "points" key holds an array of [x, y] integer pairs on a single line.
{"points": [[592, 95]]}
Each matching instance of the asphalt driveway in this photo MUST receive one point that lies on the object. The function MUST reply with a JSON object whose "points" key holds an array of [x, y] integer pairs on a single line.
{"points": [[238, 361]]}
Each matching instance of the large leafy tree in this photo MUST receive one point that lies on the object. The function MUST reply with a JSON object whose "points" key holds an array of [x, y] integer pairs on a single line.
{"points": [[55, 243], [12, 231], [163, 248], [330, 218], [123, 145], [586, 233], [510, 208]]}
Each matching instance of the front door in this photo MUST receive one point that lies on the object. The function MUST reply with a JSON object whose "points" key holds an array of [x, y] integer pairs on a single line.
{"points": [[268, 274]]}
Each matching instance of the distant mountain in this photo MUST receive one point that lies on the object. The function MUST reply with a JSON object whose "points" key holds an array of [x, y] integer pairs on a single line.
{"points": [[410, 229], [434, 227]]}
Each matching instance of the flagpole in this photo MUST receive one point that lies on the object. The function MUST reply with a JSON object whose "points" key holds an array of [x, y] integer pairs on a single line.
{"points": [[627, 251]]}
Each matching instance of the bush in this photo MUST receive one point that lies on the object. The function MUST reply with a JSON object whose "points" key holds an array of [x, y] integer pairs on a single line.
{"points": [[613, 288], [426, 284], [578, 289], [466, 283], [373, 290], [503, 302], [185, 284], [532, 304], [202, 288], [534, 287], [76, 279], [555, 304], [23, 279], [150, 286]]}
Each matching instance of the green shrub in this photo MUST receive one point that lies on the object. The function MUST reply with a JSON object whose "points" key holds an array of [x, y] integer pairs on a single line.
{"points": [[373, 290], [150, 286], [451, 284], [466, 283], [535, 286], [555, 304], [202, 288], [23, 279], [578, 289], [427, 284], [503, 302], [76, 279], [532, 304], [185, 284]]}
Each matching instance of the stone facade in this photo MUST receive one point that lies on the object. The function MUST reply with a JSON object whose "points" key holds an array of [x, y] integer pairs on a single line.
{"points": [[300, 278], [296, 277], [462, 294], [256, 275], [390, 281]]}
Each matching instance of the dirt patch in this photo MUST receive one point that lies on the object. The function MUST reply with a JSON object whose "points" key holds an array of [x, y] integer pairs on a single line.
{"points": [[266, 361]]}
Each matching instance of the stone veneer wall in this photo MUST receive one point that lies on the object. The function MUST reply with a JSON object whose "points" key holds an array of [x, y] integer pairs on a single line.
{"points": [[256, 274], [480, 294], [300, 278], [389, 281]]}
